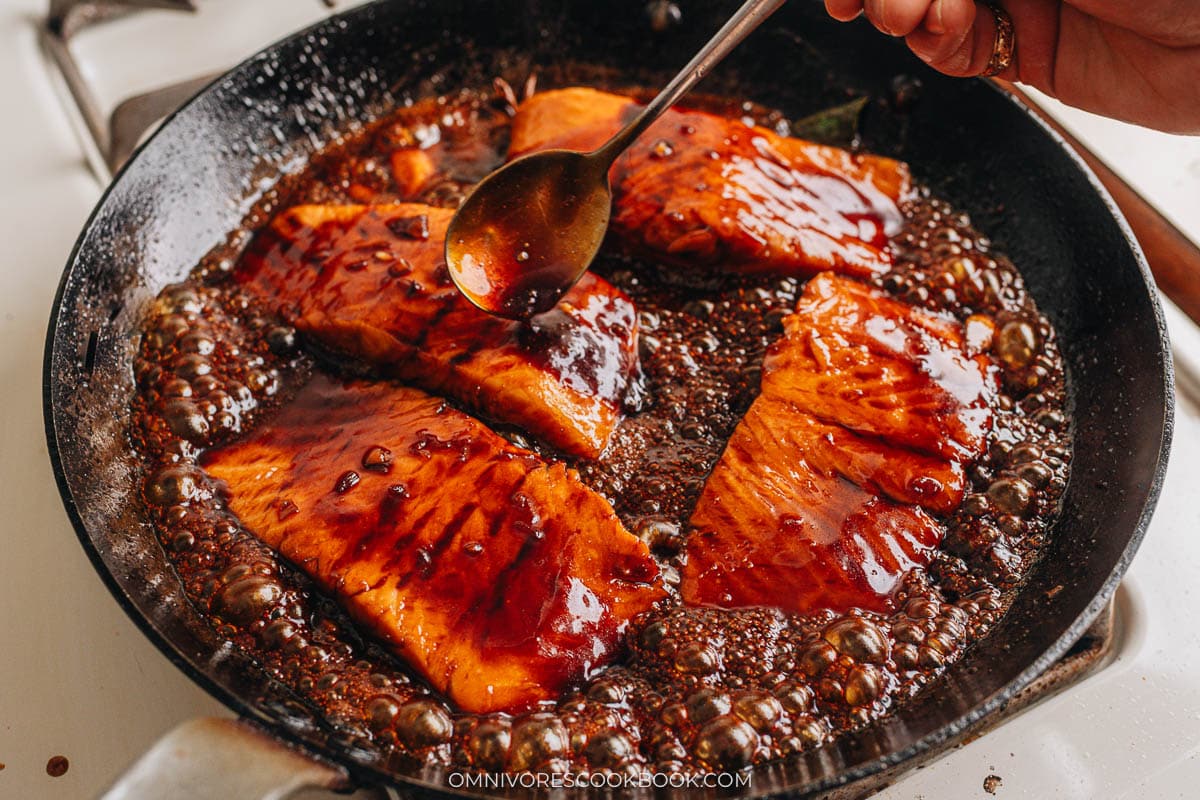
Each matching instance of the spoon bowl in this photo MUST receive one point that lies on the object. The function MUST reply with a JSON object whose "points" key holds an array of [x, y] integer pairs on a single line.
{"points": [[529, 231]]}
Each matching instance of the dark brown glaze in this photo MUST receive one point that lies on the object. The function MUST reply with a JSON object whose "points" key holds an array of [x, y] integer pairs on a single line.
{"points": [[699, 190], [853, 356], [774, 527], [370, 282], [210, 365], [523, 239], [501, 599], [454, 142], [700, 688], [862, 394]]}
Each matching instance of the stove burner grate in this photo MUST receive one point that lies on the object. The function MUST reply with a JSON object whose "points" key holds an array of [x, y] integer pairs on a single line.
{"points": [[117, 133]]}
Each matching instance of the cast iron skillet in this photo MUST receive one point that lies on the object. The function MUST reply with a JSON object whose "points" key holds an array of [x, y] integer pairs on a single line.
{"points": [[189, 187]]}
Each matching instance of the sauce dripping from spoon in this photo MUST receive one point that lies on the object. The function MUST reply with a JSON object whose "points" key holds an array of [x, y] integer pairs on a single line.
{"points": [[531, 229], [516, 249]]}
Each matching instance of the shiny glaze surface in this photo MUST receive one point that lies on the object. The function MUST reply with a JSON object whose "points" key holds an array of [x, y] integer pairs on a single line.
{"points": [[776, 527], [861, 395], [853, 356], [528, 233], [519, 589], [701, 190], [700, 688], [370, 283]]}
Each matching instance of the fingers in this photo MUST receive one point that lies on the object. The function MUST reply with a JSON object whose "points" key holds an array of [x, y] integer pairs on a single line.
{"points": [[844, 10], [952, 36], [893, 17], [956, 37], [897, 17], [950, 18]]}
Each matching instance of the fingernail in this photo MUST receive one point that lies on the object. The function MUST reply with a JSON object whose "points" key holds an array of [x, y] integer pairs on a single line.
{"points": [[878, 15], [933, 20]]}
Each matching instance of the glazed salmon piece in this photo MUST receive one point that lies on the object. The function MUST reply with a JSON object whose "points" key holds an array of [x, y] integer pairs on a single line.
{"points": [[370, 282], [502, 579], [700, 190], [899, 474], [854, 356], [869, 411], [778, 525], [577, 118]]}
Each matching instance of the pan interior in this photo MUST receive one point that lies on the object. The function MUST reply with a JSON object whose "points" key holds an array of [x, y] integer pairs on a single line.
{"points": [[192, 184]]}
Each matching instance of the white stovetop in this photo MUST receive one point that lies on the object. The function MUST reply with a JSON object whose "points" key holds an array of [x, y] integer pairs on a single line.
{"points": [[78, 679]]}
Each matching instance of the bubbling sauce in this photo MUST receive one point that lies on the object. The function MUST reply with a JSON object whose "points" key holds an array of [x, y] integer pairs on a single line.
{"points": [[699, 689]]}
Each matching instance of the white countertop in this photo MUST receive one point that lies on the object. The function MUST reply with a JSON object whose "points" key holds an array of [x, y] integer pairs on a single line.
{"points": [[78, 679]]}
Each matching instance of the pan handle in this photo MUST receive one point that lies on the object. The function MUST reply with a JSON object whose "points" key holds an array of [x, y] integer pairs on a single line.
{"points": [[209, 757]]}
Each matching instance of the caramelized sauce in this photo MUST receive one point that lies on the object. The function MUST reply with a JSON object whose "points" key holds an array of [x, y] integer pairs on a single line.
{"points": [[524, 238], [776, 527], [700, 688], [705, 191], [501, 599], [351, 283]]}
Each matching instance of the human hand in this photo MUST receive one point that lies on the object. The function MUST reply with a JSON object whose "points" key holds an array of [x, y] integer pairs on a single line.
{"points": [[1136, 60]]}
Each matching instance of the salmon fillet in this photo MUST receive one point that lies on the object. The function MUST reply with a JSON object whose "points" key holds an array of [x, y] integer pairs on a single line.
{"points": [[501, 578], [854, 356], [370, 282], [868, 413], [778, 526], [702, 190]]}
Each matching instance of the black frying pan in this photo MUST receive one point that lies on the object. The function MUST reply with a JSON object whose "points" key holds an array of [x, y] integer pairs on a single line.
{"points": [[188, 187]]}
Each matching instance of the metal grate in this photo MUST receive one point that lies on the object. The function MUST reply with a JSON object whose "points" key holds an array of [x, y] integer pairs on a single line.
{"points": [[115, 133]]}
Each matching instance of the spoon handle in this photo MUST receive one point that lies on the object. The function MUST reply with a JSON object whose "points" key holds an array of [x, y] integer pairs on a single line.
{"points": [[748, 17]]}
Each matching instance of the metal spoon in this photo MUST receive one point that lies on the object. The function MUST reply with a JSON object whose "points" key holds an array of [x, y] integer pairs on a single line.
{"points": [[530, 230]]}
